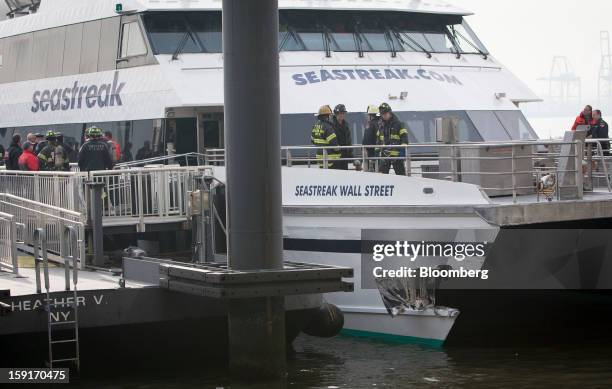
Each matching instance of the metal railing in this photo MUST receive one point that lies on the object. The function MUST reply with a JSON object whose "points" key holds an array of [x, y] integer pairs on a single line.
{"points": [[499, 168], [135, 193], [8, 243], [54, 220]]}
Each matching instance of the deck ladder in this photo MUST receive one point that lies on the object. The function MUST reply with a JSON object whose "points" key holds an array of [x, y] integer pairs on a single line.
{"points": [[58, 318]]}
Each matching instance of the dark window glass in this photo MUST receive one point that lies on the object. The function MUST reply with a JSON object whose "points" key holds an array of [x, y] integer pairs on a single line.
{"points": [[207, 28], [168, 31], [369, 31]]}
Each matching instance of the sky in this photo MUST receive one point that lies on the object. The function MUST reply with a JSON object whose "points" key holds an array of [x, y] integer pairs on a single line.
{"points": [[525, 35]]}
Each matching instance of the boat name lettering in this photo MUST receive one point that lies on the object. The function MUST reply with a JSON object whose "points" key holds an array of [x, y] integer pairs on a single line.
{"points": [[61, 302], [324, 75], [344, 190], [79, 96]]}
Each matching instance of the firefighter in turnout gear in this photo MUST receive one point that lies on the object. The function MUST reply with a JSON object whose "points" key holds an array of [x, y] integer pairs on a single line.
{"points": [[391, 132], [51, 156], [94, 154], [343, 132], [323, 135]]}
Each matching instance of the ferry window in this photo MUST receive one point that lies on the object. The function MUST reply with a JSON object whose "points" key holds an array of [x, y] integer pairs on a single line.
{"points": [[288, 41], [344, 41], [313, 41], [467, 41], [132, 42], [439, 42], [207, 28], [489, 126], [517, 125], [169, 31]]}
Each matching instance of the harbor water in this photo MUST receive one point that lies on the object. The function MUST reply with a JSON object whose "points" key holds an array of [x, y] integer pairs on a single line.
{"points": [[345, 362]]}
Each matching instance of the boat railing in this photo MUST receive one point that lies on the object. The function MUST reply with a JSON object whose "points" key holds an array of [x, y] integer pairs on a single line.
{"points": [[499, 168], [130, 196], [8, 243], [34, 215]]}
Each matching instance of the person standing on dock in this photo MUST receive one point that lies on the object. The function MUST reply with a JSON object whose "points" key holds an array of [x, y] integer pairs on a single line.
{"points": [[585, 118], [115, 148], [28, 161], [601, 131], [14, 152], [391, 133], [94, 155], [343, 132], [323, 135]]}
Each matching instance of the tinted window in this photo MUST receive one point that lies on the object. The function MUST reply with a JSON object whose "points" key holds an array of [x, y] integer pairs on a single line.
{"points": [[207, 28], [516, 125], [169, 31], [489, 126]]}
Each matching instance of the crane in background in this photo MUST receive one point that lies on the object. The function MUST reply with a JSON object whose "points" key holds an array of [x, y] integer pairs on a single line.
{"points": [[604, 85], [564, 86]]}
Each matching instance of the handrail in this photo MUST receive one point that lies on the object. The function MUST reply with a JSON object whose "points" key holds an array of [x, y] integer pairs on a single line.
{"points": [[159, 159], [10, 243]]}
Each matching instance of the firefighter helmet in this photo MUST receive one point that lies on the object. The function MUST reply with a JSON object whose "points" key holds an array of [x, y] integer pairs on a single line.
{"points": [[51, 135], [324, 110], [373, 110], [94, 132], [340, 108], [385, 108]]}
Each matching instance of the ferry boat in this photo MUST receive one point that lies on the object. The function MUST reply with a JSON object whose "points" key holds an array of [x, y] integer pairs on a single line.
{"points": [[151, 73]]}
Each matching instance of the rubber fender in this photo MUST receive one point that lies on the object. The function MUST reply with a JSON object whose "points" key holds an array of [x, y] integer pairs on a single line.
{"points": [[326, 322]]}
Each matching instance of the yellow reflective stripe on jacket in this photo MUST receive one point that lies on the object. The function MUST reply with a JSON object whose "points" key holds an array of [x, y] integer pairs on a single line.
{"points": [[395, 137], [322, 142], [403, 131], [331, 137]]}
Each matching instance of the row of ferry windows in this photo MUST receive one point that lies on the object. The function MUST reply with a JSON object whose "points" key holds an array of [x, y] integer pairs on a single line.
{"points": [[200, 32], [146, 138]]}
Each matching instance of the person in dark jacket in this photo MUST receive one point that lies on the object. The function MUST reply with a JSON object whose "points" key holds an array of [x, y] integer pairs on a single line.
{"points": [[14, 152], [343, 133], [585, 118], [391, 132], [369, 137], [601, 131], [28, 161], [94, 155], [2, 155]]}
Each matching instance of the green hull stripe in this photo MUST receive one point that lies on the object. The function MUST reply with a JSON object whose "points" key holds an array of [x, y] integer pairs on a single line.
{"points": [[394, 338]]}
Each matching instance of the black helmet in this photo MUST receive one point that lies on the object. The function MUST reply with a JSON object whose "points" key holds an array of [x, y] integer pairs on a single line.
{"points": [[384, 108], [340, 108]]}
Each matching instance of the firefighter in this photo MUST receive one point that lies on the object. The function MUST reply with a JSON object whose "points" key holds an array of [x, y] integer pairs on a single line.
{"points": [[369, 136], [51, 156], [94, 155], [323, 135], [391, 132], [343, 132]]}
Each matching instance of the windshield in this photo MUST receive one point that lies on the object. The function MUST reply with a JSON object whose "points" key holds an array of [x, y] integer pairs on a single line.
{"points": [[306, 30]]}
